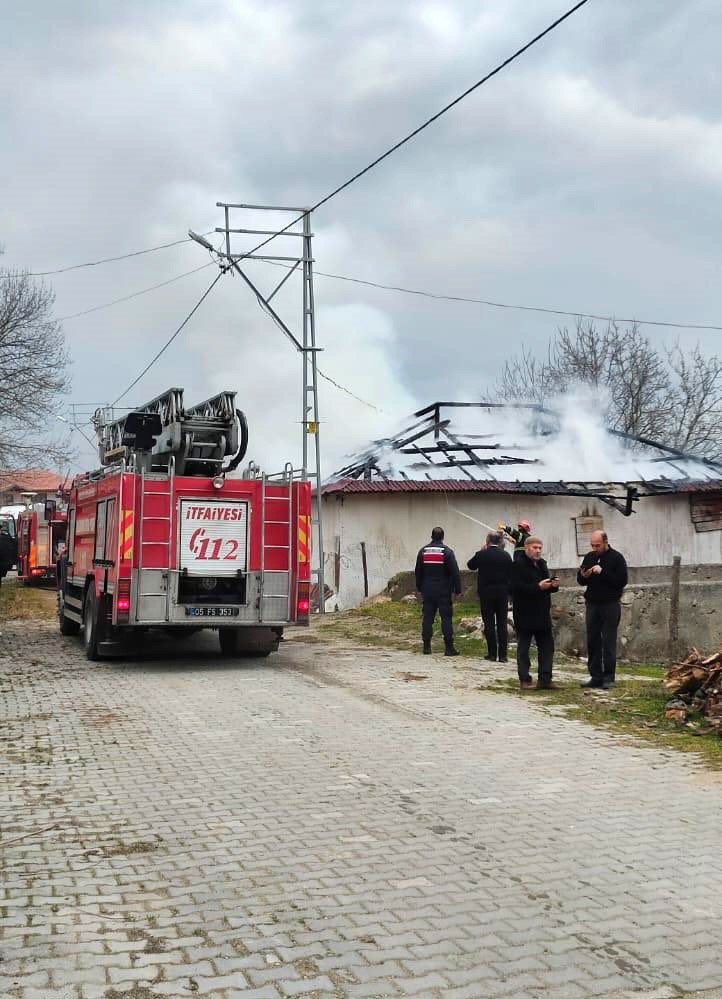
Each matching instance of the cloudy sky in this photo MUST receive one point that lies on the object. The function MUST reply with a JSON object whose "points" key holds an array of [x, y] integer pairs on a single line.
{"points": [[587, 176]]}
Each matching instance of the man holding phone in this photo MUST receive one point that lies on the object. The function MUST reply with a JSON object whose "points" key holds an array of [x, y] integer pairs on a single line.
{"points": [[604, 573], [531, 589]]}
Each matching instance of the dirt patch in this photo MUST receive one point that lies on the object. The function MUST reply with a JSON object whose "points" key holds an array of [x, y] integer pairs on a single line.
{"points": [[126, 849]]}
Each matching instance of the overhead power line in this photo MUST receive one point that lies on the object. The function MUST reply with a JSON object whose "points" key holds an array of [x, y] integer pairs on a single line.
{"points": [[136, 294], [429, 121], [170, 340], [109, 260], [507, 305]]}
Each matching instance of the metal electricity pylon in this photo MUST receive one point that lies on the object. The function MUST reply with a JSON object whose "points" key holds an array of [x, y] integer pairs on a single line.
{"points": [[231, 258]]}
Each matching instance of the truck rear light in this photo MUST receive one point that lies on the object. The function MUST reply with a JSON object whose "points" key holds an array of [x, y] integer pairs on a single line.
{"points": [[303, 603], [122, 602]]}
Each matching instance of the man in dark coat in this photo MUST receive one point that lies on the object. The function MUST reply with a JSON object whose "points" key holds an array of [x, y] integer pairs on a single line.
{"points": [[493, 579], [437, 579], [604, 573], [8, 551], [531, 588]]}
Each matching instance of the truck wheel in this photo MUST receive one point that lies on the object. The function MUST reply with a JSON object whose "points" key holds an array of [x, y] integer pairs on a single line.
{"points": [[228, 638], [67, 627], [91, 625]]}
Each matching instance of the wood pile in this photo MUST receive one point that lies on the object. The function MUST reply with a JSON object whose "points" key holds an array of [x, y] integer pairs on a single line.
{"points": [[696, 687]]}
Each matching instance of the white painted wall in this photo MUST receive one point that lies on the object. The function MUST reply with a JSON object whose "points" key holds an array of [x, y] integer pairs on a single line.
{"points": [[395, 525]]}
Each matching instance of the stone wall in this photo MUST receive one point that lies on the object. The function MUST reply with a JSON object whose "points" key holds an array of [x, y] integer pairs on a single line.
{"points": [[644, 629]]}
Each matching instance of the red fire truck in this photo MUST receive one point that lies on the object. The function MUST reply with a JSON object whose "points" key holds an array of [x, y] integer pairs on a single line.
{"points": [[161, 537], [41, 542]]}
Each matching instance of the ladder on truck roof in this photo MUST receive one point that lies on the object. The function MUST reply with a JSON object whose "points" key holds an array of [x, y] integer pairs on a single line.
{"points": [[198, 438]]}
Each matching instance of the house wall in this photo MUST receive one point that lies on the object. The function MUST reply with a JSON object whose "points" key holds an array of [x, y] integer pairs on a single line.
{"points": [[395, 525]]}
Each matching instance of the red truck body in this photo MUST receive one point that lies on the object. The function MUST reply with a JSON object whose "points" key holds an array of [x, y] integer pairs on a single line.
{"points": [[174, 552], [41, 537]]}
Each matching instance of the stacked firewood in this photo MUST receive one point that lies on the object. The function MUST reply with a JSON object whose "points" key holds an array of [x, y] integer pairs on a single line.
{"points": [[696, 686]]}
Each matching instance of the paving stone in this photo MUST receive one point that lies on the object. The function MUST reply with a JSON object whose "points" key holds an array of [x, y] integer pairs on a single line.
{"points": [[310, 825]]}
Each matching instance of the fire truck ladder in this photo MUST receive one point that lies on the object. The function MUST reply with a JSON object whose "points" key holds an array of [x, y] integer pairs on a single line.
{"points": [[199, 438], [284, 478]]}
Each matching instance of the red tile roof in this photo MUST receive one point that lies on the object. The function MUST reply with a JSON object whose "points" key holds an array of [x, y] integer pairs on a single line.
{"points": [[351, 486], [31, 480]]}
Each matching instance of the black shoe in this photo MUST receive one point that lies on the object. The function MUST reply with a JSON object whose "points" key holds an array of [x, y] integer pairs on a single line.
{"points": [[591, 685], [609, 684], [427, 648], [503, 660], [451, 652], [490, 659]]}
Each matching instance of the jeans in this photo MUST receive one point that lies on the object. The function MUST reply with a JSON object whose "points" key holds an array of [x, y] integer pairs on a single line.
{"points": [[494, 612], [441, 602], [602, 624], [545, 652]]}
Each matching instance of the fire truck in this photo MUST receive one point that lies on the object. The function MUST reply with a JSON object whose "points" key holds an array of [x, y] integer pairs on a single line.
{"points": [[41, 541], [162, 537]]}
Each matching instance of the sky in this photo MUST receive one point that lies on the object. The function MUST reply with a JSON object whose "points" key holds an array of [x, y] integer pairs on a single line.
{"points": [[585, 177]]}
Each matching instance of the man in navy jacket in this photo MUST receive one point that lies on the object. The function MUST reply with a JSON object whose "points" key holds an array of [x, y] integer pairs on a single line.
{"points": [[437, 579]]}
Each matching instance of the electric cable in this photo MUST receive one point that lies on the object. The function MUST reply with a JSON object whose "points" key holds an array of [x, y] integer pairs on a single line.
{"points": [[429, 121], [136, 294], [170, 340], [507, 305], [439, 296], [108, 260]]}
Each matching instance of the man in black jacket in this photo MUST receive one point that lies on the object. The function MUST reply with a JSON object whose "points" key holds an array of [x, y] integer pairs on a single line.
{"points": [[531, 588], [493, 579], [437, 578], [604, 573]]}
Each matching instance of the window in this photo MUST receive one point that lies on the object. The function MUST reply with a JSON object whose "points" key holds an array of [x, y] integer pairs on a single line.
{"points": [[585, 526], [100, 516], [104, 530]]}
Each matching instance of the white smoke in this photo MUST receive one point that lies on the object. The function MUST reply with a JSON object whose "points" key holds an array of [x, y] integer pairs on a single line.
{"points": [[572, 444]]}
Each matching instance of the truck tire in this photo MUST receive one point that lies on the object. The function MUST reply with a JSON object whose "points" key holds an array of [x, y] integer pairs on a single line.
{"points": [[67, 627], [248, 643], [91, 624], [228, 638]]}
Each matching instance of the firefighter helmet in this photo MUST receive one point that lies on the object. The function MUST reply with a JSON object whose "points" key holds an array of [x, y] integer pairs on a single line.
{"points": [[525, 525]]}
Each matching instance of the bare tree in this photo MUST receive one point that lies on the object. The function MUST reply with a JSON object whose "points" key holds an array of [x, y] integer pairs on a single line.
{"points": [[33, 366], [667, 395]]}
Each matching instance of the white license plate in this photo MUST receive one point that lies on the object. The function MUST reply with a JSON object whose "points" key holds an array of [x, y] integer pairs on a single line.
{"points": [[212, 611]]}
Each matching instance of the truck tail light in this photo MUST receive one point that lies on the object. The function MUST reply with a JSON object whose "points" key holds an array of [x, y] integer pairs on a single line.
{"points": [[303, 603], [122, 603]]}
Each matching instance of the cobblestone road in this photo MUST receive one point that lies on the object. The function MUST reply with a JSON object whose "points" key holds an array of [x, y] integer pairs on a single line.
{"points": [[314, 825]]}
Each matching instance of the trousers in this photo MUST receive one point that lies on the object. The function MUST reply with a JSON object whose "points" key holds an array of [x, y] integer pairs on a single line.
{"points": [[545, 653], [433, 602], [602, 624], [494, 612]]}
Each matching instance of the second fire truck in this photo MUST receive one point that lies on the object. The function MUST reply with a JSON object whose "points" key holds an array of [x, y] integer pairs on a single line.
{"points": [[162, 537]]}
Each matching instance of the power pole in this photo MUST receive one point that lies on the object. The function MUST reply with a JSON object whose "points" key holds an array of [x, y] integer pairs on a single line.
{"points": [[304, 341]]}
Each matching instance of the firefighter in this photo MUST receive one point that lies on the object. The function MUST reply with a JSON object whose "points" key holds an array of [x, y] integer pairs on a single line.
{"points": [[8, 551], [438, 580], [518, 535]]}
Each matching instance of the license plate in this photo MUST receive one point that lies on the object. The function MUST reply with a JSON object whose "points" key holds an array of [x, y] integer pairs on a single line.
{"points": [[212, 611]]}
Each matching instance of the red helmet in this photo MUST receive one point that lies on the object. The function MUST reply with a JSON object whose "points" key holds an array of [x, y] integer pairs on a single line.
{"points": [[525, 525]]}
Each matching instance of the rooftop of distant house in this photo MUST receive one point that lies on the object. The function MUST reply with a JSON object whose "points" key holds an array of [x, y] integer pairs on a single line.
{"points": [[30, 480]]}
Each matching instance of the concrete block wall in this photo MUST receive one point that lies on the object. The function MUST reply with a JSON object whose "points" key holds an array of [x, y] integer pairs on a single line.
{"points": [[644, 628]]}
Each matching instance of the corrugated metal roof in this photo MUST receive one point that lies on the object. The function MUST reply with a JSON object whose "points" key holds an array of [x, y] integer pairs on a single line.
{"points": [[356, 486]]}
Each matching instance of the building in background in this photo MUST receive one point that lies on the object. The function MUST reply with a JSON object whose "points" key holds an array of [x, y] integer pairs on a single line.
{"points": [[16, 487], [451, 466]]}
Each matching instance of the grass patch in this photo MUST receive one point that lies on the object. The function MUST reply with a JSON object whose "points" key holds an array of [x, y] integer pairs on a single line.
{"points": [[634, 708], [24, 603], [397, 625]]}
